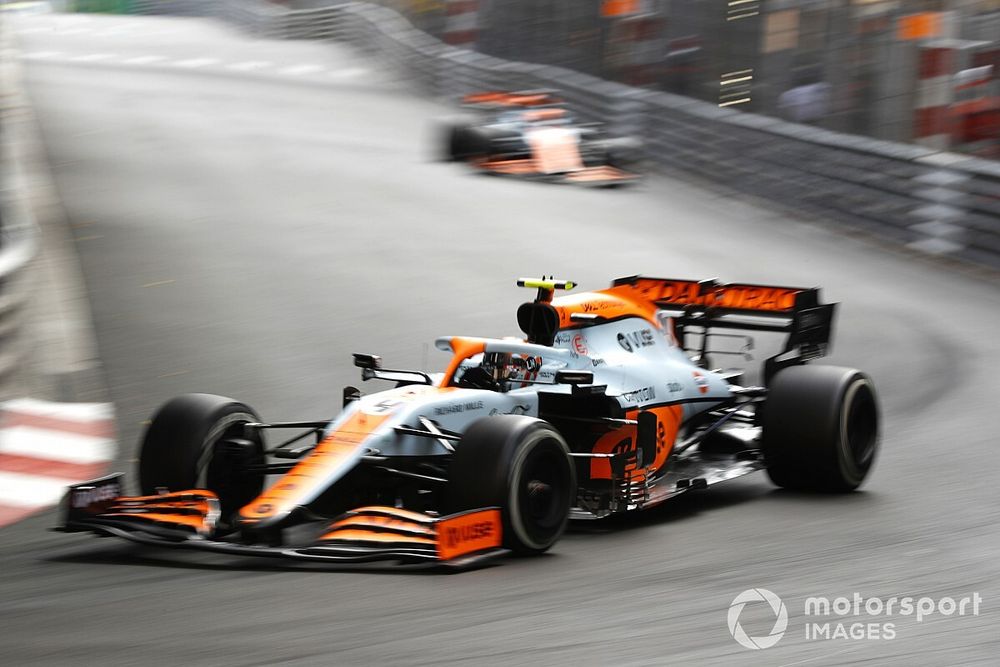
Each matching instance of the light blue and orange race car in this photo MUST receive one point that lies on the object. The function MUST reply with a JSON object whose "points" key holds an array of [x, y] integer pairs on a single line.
{"points": [[609, 403], [533, 135]]}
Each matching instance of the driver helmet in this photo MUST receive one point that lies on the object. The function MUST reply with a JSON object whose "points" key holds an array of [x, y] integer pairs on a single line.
{"points": [[498, 365]]}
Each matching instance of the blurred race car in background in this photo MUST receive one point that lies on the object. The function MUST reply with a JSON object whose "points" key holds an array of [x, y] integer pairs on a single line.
{"points": [[610, 403], [532, 134]]}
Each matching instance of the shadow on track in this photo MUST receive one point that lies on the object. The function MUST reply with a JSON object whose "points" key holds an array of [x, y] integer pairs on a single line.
{"points": [[682, 508], [694, 503], [127, 554]]}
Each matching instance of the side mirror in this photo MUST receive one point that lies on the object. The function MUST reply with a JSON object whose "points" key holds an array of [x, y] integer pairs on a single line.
{"points": [[351, 394], [574, 377], [368, 361]]}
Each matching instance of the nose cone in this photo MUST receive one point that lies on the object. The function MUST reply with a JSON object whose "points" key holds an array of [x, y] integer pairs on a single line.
{"points": [[332, 458]]}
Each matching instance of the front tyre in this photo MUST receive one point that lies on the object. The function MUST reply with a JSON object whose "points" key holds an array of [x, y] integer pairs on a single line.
{"points": [[623, 153], [466, 142], [197, 441], [521, 465], [820, 428], [456, 143]]}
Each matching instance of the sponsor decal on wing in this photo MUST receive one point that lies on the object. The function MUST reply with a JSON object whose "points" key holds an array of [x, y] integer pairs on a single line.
{"points": [[468, 533]]}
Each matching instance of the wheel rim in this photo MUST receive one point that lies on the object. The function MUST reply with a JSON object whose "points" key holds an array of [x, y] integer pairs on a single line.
{"points": [[539, 498], [231, 485], [543, 492], [228, 427]]}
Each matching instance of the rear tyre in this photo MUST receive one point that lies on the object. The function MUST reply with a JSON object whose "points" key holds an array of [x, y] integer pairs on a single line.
{"points": [[197, 441], [820, 428], [521, 465]]}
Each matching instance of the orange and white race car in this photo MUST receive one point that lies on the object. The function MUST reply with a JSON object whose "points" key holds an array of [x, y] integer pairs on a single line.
{"points": [[533, 135], [610, 403]]}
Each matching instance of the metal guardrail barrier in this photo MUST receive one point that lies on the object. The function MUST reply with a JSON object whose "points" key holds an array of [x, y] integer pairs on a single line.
{"points": [[17, 250], [933, 202], [18, 234]]}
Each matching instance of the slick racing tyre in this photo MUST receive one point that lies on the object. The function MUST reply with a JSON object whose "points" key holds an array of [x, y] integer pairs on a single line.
{"points": [[197, 441], [456, 143], [521, 465], [624, 153], [464, 142], [820, 428]]}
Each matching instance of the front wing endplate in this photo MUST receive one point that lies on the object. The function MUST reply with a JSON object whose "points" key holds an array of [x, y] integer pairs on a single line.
{"points": [[598, 176]]}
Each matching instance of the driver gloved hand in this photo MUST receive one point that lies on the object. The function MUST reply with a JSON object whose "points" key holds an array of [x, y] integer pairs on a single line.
{"points": [[478, 377]]}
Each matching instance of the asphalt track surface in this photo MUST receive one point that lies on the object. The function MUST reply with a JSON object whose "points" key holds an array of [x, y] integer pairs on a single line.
{"points": [[243, 231]]}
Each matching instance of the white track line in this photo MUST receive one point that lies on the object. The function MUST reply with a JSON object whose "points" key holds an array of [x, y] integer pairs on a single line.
{"points": [[41, 55], [196, 62], [298, 70], [349, 73], [143, 60], [250, 65], [92, 57]]}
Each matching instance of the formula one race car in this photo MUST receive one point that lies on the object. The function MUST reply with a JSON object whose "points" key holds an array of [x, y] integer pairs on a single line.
{"points": [[609, 404], [532, 134]]}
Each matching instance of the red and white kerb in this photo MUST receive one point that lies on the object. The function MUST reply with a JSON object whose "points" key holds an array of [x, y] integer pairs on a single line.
{"points": [[931, 125], [461, 26], [44, 447]]}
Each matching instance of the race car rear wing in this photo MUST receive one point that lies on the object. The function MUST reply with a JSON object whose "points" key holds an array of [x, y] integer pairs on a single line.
{"points": [[708, 304], [526, 99]]}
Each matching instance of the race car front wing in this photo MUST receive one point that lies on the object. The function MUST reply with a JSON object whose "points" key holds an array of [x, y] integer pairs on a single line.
{"points": [[597, 176], [190, 519]]}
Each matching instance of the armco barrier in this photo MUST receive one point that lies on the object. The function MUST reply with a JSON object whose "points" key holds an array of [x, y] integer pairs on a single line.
{"points": [[17, 249], [18, 234], [933, 202]]}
